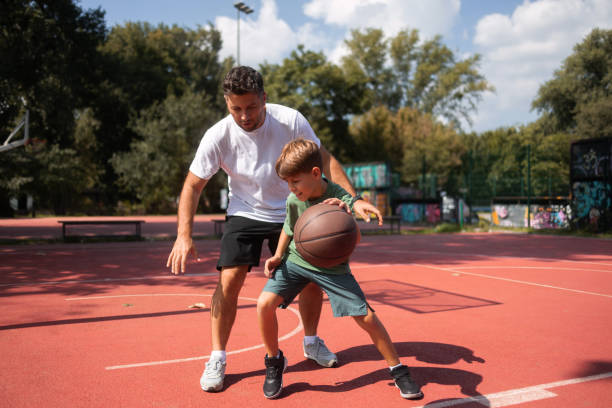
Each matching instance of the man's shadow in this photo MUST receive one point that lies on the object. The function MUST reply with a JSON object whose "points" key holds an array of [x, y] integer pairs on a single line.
{"points": [[427, 352]]}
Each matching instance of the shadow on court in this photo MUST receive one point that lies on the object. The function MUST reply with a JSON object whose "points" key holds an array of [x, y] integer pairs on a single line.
{"points": [[449, 249], [428, 352], [419, 299]]}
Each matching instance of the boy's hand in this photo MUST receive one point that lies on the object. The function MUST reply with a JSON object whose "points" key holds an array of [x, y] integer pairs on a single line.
{"points": [[271, 265], [339, 203]]}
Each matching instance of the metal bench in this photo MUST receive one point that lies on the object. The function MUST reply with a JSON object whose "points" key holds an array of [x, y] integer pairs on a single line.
{"points": [[137, 224], [394, 220]]}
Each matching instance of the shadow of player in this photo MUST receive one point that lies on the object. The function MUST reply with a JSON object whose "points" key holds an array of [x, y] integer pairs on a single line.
{"points": [[428, 352]]}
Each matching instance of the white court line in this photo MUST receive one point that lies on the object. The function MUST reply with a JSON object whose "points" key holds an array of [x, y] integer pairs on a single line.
{"points": [[75, 281], [455, 254], [457, 270], [186, 359], [552, 268], [513, 280], [519, 395]]}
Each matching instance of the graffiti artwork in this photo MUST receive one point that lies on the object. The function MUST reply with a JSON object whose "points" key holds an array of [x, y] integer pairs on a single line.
{"points": [[413, 213], [592, 200], [549, 216], [590, 159], [591, 183], [509, 215], [369, 175]]}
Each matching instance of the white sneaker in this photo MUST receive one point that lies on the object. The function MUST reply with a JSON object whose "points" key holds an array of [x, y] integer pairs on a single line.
{"points": [[213, 376], [318, 352]]}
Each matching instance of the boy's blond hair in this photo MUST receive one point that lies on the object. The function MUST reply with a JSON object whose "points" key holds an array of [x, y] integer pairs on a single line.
{"points": [[298, 156]]}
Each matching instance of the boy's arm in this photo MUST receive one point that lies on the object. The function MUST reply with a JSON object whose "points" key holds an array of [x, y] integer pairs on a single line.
{"points": [[276, 259]]}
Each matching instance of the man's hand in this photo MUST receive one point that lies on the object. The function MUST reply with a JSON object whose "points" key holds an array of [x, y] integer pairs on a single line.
{"points": [[339, 203], [364, 209], [177, 261], [271, 265]]}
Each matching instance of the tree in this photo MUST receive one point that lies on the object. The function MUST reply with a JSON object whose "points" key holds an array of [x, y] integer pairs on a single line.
{"points": [[409, 141], [578, 98], [154, 168], [49, 56], [367, 63], [143, 65], [306, 81], [402, 71], [49, 59], [496, 162]]}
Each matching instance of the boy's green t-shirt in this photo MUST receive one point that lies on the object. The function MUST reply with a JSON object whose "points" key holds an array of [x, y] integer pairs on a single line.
{"points": [[295, 208]]}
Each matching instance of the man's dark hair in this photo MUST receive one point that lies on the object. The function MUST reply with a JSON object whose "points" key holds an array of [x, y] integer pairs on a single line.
{"points": [[243, 80]]}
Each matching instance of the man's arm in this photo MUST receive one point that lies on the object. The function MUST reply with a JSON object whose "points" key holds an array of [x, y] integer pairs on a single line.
{"points": [[335, 172], [188, 204], [333, 168]]}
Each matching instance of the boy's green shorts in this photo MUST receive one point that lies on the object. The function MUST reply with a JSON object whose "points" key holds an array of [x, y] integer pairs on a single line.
{"points": [[343, 291]]}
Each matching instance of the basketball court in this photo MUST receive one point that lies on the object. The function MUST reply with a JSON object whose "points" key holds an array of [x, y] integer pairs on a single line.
{"points": [[491, 320]]}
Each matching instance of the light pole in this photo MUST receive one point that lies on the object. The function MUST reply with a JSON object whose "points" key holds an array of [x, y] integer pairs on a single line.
{"points": [[240, 6]]}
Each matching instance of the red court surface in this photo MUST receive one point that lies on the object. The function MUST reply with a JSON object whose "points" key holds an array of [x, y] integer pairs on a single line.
{"points": [[489, 320]]}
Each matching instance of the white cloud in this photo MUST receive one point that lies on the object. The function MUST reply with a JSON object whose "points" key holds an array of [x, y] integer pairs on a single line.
{"points": [[521, 51], [430, 17], [267, 38]]}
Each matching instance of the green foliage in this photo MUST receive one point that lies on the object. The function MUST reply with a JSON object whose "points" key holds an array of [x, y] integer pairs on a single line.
{"points": [[425, 76], [53, 176], [410, 141], [49, 62], [366, 62], [446, 228], [142, 66], [495, 163], [578, 100], [147, 63], [48, 53], [306, 81], [155, 166]]}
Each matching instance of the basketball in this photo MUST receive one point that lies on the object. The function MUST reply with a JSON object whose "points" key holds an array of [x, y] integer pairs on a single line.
{"points": [[325, 235]]}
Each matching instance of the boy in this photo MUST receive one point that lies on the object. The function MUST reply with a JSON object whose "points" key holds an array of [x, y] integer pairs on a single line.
{"points": [[300, 166]]}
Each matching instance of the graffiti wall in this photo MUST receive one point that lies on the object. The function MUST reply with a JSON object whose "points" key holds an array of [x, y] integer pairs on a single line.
{"points": [[413, 213], [379, 199], [544, 216], [373, 182], [369, 175], [509, 215], [592, 203], [550, 216], [591, 183]]}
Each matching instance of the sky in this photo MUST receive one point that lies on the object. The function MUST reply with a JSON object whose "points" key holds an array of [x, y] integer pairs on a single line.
{"points": [[521, 42]]}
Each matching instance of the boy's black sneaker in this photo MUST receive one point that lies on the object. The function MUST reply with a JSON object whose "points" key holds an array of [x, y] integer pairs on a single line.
{"points": [[275, 366], [408, 388]]}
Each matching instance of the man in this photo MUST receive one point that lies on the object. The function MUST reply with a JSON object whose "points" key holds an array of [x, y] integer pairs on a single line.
{"points": [[246, 144]]}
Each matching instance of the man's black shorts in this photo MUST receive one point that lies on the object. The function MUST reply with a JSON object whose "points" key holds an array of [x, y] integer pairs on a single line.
{"points": [[243, 239]]}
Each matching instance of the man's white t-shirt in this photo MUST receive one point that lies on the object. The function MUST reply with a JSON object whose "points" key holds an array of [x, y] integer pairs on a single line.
{"points": [[248, 158]]}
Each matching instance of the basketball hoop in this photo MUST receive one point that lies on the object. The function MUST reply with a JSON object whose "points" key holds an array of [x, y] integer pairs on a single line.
{"points": [[25, 124]]}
